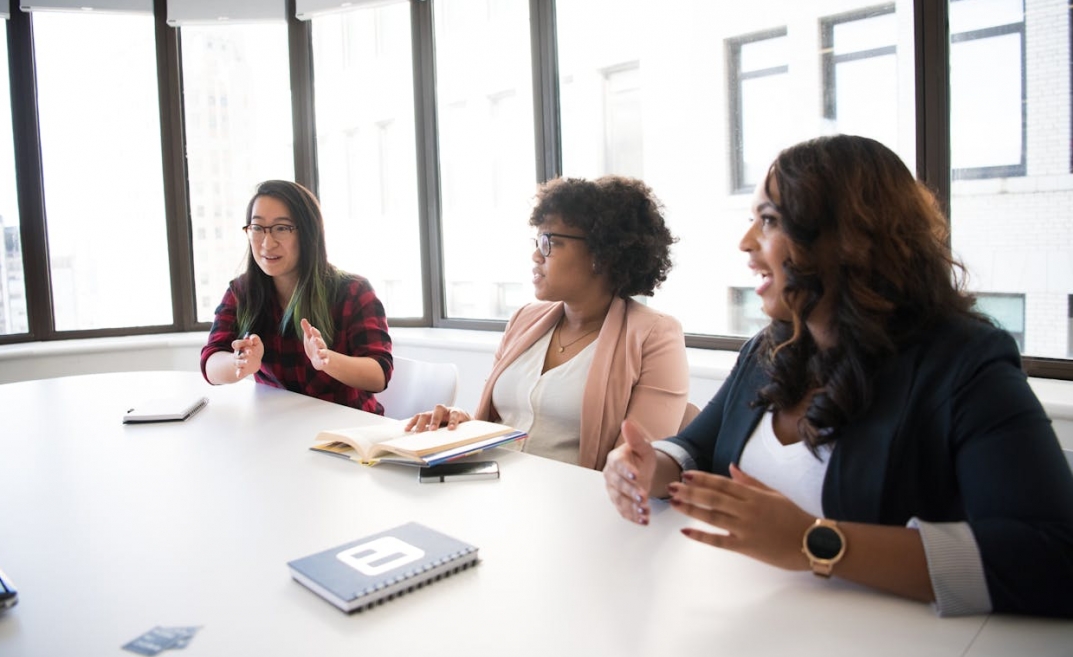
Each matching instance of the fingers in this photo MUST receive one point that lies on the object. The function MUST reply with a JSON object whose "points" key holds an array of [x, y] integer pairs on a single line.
{"points": [[713, 499], [438, 417], [725, 541], [621, 475], [739, 476]]}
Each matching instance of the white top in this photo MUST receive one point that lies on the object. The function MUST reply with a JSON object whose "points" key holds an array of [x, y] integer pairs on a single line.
{"points": [[546, 405], [792, 469]]}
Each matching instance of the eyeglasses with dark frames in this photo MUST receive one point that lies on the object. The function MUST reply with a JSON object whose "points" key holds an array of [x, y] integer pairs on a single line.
{"points": [[543, 241], [278, 231]]}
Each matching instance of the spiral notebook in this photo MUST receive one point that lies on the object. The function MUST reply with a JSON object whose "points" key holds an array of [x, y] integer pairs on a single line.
{"points": [[363, 573]]}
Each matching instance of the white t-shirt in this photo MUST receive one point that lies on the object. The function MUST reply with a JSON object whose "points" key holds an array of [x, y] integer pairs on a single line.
{"points": [[790, 469], [548, 405]]}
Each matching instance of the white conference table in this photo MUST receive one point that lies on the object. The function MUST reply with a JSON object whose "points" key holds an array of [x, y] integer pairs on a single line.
{"points": [[109, 530]]}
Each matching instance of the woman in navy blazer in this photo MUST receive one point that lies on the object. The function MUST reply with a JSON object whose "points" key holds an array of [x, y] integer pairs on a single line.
{"points": [[885, 431]]}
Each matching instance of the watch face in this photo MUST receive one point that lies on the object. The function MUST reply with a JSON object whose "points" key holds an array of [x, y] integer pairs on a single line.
{"points": [[824, 542]]}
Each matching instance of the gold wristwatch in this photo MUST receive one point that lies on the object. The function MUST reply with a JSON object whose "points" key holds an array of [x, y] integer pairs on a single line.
{"points": [[824, 544]]}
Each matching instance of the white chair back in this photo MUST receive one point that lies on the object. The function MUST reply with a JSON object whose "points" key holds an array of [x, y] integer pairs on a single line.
{"points": [[1069, 457], [692, 411], [417, 386]]}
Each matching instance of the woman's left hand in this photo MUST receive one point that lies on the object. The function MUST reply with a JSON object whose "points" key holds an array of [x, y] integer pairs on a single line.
{"points": [[316, 349], [759, 522]]}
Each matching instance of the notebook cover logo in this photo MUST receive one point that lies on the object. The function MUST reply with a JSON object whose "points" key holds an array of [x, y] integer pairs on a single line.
{"points": [[380, 555]]}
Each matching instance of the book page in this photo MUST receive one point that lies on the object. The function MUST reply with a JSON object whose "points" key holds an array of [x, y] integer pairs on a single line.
{"points": [[364, 439]]}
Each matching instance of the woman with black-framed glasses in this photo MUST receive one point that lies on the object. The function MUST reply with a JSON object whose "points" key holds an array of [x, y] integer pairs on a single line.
{"points": [[292, 319], [585, 356]]}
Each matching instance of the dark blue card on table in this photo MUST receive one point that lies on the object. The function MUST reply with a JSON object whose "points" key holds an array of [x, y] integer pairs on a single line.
{"points": [[362, 573]]}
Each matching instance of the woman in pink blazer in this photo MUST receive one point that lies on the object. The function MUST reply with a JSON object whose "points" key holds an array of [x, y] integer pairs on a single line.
{"points": [[572, 366]]}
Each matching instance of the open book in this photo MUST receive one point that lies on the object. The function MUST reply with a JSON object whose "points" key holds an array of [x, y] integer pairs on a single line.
{"points": [[391, 443]]}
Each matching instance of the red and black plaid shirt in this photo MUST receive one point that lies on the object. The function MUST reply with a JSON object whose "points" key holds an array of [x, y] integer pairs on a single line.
{"points": [[360, 330]]}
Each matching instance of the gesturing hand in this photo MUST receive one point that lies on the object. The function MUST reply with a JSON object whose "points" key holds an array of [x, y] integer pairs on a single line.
{"points": [[760, 522], [628, 473], [316, 349], [248, 354]]}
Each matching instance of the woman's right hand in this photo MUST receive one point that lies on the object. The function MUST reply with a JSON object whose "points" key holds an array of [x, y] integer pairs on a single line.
{"points": [[248, 354], [438, 417], [629, 472]]}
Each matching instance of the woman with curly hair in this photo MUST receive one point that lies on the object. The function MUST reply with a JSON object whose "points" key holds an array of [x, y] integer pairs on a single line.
{"points": [[573, 366], [292, 319], [878, 429]]}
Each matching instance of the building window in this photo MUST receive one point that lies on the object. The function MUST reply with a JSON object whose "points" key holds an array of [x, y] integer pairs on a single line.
{"points": [[860, 73], [486, 152], [759, 90], [987, 88], [366, 152], [747, 315], [1069, 327], [1008, 312], [231, 146], [623, 127]]}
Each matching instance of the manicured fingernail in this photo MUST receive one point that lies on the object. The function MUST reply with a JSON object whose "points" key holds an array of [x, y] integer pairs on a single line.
{"points": [[637, 498], [673, 487], [687, 476], [687, 532], [675, 502], [631, 476]]}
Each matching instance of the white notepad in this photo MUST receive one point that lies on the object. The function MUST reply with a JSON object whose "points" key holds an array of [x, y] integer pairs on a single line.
{"points": [[172, 409]]}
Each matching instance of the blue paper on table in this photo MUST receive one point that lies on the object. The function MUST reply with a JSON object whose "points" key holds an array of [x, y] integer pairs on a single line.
{"points": [[362, 573]]}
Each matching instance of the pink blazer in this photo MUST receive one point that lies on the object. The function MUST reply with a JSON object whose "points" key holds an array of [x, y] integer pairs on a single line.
{"points": [[639, 371]]}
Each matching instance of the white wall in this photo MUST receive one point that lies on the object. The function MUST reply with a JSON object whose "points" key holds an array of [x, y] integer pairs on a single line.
{"points": [[471, 351]]}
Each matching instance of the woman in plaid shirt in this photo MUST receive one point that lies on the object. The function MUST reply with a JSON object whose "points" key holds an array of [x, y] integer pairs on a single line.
{"points": [[292, 319]]}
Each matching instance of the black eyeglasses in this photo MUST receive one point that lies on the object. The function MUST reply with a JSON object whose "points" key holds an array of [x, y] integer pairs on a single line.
{"points": [[278, 231], [543, 241]]}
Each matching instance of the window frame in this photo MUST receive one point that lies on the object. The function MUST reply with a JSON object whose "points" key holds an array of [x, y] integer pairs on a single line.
{"points": [[931, 52], [1003, 170], [830, 60], [735, 78]]}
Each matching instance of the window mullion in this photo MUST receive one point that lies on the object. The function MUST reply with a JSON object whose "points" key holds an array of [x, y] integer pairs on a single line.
{"points": [[30, 187]]}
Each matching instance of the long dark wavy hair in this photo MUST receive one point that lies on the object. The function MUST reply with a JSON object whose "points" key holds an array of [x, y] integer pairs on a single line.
{"points": [[623, 224], [318, 281], [865, 231]]}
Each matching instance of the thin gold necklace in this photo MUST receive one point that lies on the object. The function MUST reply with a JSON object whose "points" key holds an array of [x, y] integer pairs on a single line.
{"points": [[562, 347]]}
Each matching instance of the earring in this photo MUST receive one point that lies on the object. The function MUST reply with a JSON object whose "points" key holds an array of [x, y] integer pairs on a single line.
{"points": [[594, 266]]}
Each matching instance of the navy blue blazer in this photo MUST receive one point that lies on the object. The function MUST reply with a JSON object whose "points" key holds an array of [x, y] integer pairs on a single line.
{"points": [[954, 434]]}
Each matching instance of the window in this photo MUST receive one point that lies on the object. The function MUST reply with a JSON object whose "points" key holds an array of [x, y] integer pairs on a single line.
{"points": [[623, 127], [1008, 311], [13, 317], [1011, 205], [860, 69], [699, 100], [486, 152], [102, 169], [760, 89], [601, 81], [237, 109], [696, 98], [366, 155], [987, 88], [1069, 327], [747, 313]]}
